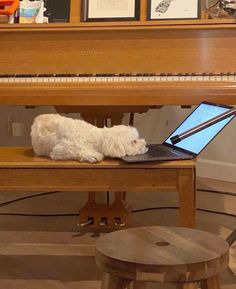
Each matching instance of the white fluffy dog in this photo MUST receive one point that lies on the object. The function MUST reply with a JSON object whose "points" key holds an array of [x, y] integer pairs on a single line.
{"points": [[63, 138]]}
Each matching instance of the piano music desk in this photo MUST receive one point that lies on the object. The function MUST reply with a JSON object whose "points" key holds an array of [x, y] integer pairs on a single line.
{"points": [[21, 170]]}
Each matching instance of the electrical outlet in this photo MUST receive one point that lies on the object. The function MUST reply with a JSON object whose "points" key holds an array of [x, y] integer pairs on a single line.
{"points": [[17, 129], [14, 127]]}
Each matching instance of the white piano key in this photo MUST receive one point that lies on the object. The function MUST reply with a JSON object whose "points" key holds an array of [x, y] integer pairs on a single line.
{"points": [[231, 77], [218, 78]]}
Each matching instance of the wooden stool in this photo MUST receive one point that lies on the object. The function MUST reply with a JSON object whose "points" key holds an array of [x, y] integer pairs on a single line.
{"points": [[175, 255]]}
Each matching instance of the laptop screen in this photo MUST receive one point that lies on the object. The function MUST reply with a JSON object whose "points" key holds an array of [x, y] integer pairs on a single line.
{"points": [[196, 142]]}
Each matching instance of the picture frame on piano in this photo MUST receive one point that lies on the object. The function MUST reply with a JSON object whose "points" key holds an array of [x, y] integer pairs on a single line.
{"points": [[173, 9], [110, 10]]}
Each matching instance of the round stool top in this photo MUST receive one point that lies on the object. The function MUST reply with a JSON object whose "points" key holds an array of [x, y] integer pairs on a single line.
{"points": [[179, 253]]}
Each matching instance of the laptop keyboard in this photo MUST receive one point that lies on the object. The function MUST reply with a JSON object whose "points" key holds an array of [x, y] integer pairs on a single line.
{"points": [[162, 151]]}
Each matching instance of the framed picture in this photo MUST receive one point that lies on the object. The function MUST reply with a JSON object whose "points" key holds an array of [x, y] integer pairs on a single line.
{"points": [[110, 10], [173, 9]]}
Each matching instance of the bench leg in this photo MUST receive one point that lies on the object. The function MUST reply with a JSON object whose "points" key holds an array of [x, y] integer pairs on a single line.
{"points": [[187, 197], [112, 282], [211, 283]]}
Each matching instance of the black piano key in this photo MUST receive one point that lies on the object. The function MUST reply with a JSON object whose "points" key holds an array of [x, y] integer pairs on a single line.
{"points": [[101, 75], [25, 75], [124, 74], [46, 75], [65, 75], [85, 74], [7, 75]]}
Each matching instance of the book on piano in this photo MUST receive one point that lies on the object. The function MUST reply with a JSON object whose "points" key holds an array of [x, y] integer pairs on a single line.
{"points": [[57, 11]]}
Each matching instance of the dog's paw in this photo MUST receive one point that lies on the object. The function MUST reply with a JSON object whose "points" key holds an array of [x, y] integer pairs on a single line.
{"points": [[92, 157]]}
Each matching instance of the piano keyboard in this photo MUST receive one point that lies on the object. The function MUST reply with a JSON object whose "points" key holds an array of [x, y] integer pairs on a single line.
{"points": [[104, 78]]}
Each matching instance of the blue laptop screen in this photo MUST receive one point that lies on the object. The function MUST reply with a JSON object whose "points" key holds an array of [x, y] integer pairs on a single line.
{"points": [[196, 142]]}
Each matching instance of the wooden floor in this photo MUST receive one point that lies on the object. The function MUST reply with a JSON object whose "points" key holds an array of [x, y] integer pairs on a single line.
{"points": [[50, 253]]}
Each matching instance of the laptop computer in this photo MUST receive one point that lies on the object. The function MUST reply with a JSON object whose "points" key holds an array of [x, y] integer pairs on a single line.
{"points": [[190, 147]]}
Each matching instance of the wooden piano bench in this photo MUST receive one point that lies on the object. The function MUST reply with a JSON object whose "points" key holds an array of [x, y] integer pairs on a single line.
{"points": [[186, 258], [21, 170]]}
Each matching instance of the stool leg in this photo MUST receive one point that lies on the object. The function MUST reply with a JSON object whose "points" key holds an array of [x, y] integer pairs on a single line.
{"points": [[211, 283], [188, 285], [112, 282]]}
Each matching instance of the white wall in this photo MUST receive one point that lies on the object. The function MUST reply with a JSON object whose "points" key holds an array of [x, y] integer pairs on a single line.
{"points": [[217, 161]]}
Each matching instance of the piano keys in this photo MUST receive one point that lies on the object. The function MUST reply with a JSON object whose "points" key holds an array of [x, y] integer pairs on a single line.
{"points": [[140, 89], [109, 78]]}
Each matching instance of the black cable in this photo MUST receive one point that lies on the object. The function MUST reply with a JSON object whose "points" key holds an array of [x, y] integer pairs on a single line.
{"points": [[216, 192], [134, 211], [167, 208], [27, 197], [38, 215], [215, 212], [154, 208], [56, 192]]}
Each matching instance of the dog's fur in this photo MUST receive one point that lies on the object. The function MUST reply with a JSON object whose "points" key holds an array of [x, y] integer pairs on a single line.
{"points": [[63, 138]]}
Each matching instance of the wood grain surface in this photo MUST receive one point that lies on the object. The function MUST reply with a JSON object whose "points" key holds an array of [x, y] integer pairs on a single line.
{"points": [[163, 254]]}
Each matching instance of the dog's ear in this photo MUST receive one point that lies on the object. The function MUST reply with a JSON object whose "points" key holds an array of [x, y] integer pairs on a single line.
{"points": [[112, 146]]}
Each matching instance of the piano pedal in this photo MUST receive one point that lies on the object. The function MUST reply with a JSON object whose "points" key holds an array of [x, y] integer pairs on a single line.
{"points": [[87, 223], [119, 223], [103, 221]]}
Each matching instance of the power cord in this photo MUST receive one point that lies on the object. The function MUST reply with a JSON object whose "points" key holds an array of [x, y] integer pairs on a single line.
{"points": [[217, 192], [70, 214], [28, 197], [39, 215], [134, 211], [167, 208]]}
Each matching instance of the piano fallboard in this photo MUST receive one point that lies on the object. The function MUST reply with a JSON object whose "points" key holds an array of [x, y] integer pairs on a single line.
{"points": [[131, 49]]}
